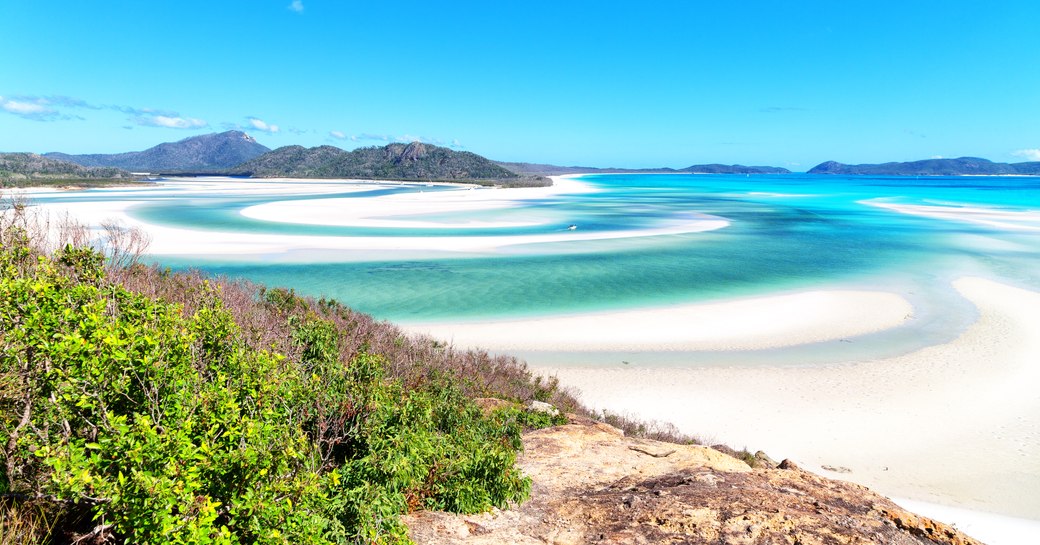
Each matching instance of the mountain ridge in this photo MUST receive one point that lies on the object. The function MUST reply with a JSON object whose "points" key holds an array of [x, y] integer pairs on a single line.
{"points": [[413, 161], [930, 167], [235, 152], [27, 167], [214, 151], [542, 169]]}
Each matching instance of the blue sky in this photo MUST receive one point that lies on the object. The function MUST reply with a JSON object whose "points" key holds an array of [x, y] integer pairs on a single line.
{"points": [[632, 84]]}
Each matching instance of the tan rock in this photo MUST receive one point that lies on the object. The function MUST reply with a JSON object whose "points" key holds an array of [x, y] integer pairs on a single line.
{"points": [[590, 484], [492, 404]]}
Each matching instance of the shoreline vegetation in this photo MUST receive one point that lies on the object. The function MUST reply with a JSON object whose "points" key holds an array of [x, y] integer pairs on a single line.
{"points": [[31, 170], [157, 407]]}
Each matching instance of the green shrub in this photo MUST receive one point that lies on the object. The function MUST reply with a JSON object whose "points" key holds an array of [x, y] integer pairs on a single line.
{"points": [[166, 427]]}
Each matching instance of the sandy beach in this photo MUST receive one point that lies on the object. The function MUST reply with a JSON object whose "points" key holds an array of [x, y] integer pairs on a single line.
{"points": [[955, 425], [741, 324], [382, 211], [1017, 220], [395, 210], [880, 419]]}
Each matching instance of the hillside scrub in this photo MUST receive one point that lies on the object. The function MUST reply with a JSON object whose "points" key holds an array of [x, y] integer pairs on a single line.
{"points": [[21, 169], [127, 416], [413, 161], [155, 407]]}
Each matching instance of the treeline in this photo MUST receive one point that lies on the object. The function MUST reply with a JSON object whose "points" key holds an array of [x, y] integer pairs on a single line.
{"points": [[18, 169]]}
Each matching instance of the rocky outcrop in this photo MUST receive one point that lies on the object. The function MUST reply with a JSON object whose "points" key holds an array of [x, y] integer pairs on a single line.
{"points": [[412, 152], [590, 484]]}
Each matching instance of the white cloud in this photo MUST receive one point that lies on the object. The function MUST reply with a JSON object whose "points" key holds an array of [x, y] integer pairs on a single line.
{"points": [[170, 122], [403, 139], [297, 6], [23, 108], [56, 108], [1028, 154], [34, 108], [261, 125]]}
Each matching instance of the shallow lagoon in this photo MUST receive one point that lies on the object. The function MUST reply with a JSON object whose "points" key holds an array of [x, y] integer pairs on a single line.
{"points": [[782, 233], [785, 232]]}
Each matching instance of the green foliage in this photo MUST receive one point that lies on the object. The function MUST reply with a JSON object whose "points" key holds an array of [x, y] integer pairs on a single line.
{"points": [[414, 161], [18, 169], [167, 427], [544, 389], [282, 299], [536, 420]]}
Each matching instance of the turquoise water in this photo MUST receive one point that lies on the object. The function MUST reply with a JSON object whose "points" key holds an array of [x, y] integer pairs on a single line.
{"points": [[786, 232]]}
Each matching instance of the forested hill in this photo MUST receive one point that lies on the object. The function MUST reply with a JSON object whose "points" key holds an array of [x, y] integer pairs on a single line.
{"points": [[415, 161], [208, 152], [17, 168], [540, 169], [734, 169], [931, 167]]}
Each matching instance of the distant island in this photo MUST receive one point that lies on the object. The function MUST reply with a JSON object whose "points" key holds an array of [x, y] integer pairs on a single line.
{"points": [[414, 161], [541, 169], [209, 152], [31, 169], [931, 167], [236, 153]]}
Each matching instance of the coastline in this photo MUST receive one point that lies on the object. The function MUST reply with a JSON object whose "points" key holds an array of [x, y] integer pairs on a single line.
{"points": [[173, 241], [955, 424], [754, 323], [901, 424]]}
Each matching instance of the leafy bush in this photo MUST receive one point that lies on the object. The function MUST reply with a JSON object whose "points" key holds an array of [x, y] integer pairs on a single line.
{"points": [[165, 426]]}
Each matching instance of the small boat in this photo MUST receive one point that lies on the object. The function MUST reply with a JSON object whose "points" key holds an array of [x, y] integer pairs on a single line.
{"points": [[571, 227]]}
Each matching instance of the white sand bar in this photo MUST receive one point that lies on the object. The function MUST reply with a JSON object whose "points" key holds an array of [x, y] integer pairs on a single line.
{"points": [[956, 424], [391, 211], [743, 324], [396, 209], [997, 218]]}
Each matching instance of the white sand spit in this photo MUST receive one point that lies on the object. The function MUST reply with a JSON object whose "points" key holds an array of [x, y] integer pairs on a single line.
{"points": [[389, 210], [744, 324], [956, 424], [997, 218], [208, 243]]}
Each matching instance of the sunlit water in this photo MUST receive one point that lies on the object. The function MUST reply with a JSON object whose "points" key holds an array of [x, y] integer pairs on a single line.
{"points": [[785, 232]]}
